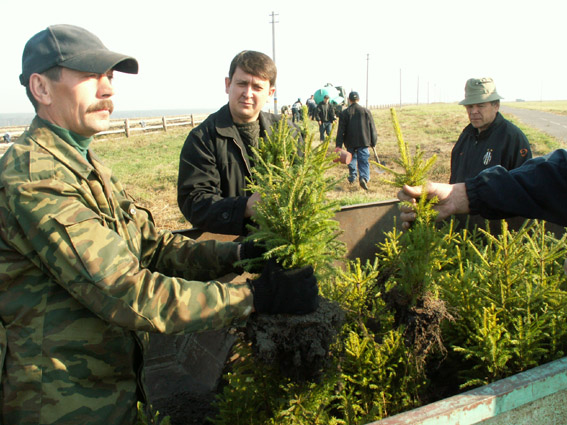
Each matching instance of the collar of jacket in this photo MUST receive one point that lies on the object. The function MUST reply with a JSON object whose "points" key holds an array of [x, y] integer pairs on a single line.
{"points": [[225, 127], [63, 151]]}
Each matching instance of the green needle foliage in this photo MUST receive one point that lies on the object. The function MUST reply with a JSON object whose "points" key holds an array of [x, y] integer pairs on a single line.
{"points": [[414, 168], [294, 218], [506, 293], [420, 251], [509, 292]]}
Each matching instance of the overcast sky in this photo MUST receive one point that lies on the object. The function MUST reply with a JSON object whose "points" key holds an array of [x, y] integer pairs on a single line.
{"points": [[184, 47]]}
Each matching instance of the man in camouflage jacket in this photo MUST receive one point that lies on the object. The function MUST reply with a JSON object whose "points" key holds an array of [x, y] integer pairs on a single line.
{"points": [[84, 273]]}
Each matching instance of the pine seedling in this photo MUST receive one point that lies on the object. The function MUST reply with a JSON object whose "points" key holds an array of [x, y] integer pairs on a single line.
{"points": [[414, 173], [295, 219], [414, 168], [419, 256]]}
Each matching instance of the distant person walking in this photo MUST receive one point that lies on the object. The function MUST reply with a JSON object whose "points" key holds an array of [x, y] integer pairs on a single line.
{"points": [[311, 107], [297, 111], [325, 117], [489, 139], [357, 131]]}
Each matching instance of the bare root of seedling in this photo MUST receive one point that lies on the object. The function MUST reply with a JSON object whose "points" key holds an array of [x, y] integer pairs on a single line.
{"points": [[422, 324], [423, 328], [297, 345]]}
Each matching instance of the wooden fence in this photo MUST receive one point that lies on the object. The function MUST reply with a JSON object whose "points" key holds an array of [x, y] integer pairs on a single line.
{"points": [[133, 125], [126, 126]]}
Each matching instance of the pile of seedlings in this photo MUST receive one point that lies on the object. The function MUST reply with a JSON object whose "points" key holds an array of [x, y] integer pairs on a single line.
{"points": [[438, 311]]}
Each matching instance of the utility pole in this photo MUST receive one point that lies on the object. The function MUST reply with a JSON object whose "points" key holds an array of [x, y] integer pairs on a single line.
{"points": [[418, 89], [274, 22], [367, 64], [400, 88]]}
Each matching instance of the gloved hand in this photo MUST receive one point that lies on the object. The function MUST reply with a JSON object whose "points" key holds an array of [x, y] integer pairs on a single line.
{"points": [[280, 291], [251, 249]]}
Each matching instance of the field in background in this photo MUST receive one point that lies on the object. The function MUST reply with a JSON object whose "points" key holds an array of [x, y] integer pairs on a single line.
{"points": [[553, 106], [147, 163]]}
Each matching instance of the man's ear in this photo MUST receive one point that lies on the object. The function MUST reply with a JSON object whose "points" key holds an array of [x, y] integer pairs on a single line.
{"points": [[226, 84], [40, 88], [272, 90]]}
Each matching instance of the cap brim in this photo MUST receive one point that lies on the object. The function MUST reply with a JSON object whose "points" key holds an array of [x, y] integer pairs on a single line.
{"points": [[475, 100], [101, 61]]}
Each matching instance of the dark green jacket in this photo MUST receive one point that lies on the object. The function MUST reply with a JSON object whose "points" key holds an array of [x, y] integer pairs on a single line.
{"points": [[84, 275], [213, 167]]}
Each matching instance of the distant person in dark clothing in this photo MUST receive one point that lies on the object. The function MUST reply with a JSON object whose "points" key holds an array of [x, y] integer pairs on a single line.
{"points": [[311, 107], [325, 117], [357, 132], [297, 111], [216, 158], [7, 138], [489, 139]]}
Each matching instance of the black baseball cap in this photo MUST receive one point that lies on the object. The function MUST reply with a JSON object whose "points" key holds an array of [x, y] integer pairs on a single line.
{"points": [[74, 48], [353, 95]]}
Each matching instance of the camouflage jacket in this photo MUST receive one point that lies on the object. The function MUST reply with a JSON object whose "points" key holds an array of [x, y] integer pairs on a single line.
{"points": [[84, 275]]}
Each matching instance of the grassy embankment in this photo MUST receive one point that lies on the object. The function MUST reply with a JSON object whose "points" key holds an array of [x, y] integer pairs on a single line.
{"points": [[147, 164]]}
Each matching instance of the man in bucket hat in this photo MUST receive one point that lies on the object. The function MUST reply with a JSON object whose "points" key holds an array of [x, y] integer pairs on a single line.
{"points": [[84, 273], [489, 139]]}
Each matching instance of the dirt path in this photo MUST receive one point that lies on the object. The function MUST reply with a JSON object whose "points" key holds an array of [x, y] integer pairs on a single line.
{"points": [[552, 124]]}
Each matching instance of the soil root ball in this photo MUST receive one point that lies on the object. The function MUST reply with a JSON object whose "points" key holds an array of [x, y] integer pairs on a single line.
{"points": [[423, 327], [297, 345]]}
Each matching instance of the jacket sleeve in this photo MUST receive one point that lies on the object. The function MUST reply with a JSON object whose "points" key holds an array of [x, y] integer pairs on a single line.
{"points": [[199, 194], [318, 113], [341, 131], [119, 275], [373, 131], [537, 189]]}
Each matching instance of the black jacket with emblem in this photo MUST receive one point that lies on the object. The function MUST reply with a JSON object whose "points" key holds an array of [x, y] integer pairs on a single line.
{"points": [[502, 143], [213, 167]]}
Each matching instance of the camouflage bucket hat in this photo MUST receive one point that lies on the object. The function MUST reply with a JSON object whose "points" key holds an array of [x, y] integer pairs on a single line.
{"points": [[480, 90]]}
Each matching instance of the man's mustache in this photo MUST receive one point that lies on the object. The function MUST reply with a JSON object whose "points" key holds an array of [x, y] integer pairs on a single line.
{"points": [[103, 104]]}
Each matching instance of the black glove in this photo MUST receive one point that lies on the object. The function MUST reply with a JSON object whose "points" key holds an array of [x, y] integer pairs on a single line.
{"points": [[280, 291], [250, 250]]}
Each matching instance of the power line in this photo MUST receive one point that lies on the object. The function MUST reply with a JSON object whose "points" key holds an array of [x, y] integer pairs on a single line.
{"points": [[274, 22]]}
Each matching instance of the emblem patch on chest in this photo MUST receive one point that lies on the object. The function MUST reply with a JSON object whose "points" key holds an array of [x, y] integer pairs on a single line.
{"points": [[487, 157]]}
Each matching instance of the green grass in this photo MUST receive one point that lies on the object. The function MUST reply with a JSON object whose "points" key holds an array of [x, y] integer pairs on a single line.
{"points": [[147, 165]]}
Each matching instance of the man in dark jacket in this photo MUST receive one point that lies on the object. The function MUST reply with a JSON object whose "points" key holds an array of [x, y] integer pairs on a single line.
{"points": [[357, 132], [489, 139], [216, 158], [325, 117]]}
